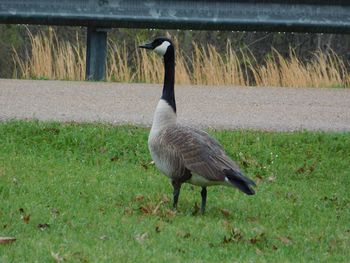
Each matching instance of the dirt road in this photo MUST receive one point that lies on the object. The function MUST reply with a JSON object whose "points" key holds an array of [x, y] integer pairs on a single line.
{"points": [[279, 109]]}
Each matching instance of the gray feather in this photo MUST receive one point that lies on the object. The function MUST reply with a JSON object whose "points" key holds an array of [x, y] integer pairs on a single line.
{"points": [[198, 152]]}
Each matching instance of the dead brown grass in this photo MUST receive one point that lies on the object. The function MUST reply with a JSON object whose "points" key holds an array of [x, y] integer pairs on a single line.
{"points": [[52, 58], [118, 64], [324, 70]]}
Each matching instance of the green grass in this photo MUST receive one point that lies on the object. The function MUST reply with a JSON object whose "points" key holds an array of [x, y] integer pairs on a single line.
{"points": [[88, 193]]}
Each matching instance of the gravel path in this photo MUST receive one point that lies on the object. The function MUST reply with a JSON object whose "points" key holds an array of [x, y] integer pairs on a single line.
{"points": [[278, 109]]}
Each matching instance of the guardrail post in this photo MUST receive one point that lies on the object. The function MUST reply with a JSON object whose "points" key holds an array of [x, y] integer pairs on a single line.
{"points": [[96, 50]]}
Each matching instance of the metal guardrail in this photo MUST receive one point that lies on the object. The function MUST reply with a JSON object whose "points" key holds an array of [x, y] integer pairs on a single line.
{"points": [[251, 15]]}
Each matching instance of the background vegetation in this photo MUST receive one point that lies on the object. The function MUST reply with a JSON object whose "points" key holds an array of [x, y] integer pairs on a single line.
{"points": [[225, 58]]}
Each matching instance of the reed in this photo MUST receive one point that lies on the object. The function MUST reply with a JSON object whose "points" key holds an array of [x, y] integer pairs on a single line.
{"points": [[323, 70], [118, 64], [51, 58]]}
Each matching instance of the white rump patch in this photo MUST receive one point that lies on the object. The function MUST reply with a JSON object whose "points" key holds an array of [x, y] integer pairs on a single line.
{"points": [[161, 49]]}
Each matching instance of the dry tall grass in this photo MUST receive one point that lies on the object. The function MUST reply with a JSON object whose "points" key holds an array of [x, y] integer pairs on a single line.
{"points": [[118, 67], [52, 58], [212, 68], [324, 70]]}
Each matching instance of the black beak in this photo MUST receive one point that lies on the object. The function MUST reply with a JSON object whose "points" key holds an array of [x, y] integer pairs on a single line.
{"points": [[147, 46]]}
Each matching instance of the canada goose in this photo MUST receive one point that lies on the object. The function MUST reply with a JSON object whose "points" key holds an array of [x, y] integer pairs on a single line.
{"points": [[185, 154]]}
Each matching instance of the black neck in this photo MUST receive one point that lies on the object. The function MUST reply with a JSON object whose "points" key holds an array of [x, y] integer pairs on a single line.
{"points": [[169, 77]]}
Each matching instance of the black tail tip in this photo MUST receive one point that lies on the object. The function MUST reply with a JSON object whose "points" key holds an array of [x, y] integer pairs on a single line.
{"points": [[250, 191], [245, 188], [241, 182]]}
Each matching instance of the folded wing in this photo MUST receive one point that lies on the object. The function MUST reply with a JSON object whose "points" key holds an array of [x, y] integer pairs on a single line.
{"points": [[204, 156]]}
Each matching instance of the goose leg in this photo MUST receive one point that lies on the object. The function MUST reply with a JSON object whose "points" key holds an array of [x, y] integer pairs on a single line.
{"points": [[204, 199], [176, 193]]}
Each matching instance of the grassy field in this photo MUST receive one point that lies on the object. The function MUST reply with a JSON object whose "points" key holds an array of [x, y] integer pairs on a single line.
{"points": [[88, 193]]}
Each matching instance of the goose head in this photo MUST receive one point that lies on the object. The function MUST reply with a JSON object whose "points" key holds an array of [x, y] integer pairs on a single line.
{"points": [[160, 45]]}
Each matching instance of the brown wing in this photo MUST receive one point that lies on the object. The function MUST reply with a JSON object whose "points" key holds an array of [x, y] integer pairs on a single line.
{"points": [[200, 153]]}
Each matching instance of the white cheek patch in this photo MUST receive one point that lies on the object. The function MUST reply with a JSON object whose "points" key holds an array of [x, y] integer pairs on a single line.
{"points": [[161, 49]]}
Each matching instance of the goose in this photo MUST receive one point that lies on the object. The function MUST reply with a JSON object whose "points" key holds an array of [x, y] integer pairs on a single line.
{"points": [[186, 154]]}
